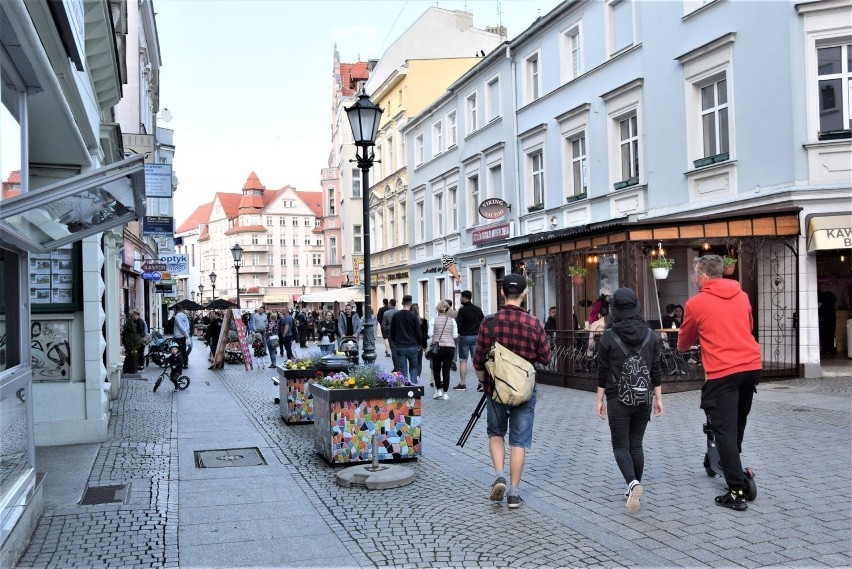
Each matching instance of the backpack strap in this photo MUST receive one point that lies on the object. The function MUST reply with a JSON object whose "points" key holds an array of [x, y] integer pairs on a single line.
{"points": [[626, 350]]}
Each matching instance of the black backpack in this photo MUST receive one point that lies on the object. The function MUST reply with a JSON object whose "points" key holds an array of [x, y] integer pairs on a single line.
{"points": [[633, 382]]}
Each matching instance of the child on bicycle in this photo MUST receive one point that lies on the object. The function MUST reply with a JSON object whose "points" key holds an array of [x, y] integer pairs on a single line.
{"points": [[175, 362], [259, 347]]}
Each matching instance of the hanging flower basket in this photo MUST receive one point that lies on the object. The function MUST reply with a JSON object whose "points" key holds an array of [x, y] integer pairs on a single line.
{"points": [[730, 265], [578, 280], [660, 273], [661, 266], [577, 274]]}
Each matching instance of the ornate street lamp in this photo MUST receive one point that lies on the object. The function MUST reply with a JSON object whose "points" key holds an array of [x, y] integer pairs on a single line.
{"points": [[201, 293], [237, 254], [193, 296], [364, 117], [213, 283]]}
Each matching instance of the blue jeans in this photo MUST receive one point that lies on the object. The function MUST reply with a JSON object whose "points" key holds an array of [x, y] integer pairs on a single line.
{"points": [[627, 425], [467, 345], [407, 359], [272, 348], [518, 420]]}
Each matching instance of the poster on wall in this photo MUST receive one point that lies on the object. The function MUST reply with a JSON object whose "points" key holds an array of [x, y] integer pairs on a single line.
{"points": [[51, 352], [52, 277]]}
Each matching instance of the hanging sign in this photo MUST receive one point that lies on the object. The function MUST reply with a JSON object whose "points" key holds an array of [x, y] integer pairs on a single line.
{"points": [[493, 208], [495, 232], [158, 180]]}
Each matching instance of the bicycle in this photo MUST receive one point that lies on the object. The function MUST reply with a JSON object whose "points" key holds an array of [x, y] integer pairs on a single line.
{"points": [[181, 383]]}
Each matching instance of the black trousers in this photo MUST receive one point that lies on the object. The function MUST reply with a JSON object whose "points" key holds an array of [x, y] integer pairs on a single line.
{"points": [[181, 342], [627, 424], [441, 364], [727, 401]]}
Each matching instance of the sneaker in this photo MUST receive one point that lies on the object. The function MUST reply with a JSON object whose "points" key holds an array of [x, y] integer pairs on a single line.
{"points": [[479, 388], [438, 394], [634, 492], [498, 489], [514, 501], [734, 499], [431, 384], [446, 396], [387, 355], [453, 366], [460, 387]]}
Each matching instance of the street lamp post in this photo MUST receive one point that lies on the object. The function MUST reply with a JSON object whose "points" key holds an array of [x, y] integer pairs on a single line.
{"points": [[213, 283], [193, 296], [201, 293], [364, 117], [237, 253], [303, 294]]}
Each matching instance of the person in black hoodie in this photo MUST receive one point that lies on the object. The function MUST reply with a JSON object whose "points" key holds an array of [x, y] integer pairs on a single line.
{"points": [[627, 423]]}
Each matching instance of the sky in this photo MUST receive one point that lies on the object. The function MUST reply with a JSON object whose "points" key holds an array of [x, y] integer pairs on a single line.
{"points": [[248, 82]]}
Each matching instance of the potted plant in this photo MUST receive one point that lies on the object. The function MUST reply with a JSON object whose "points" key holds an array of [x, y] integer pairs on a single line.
{"points": [[577, 274], [730, 265], [661, 266], [350, 407], [295, 401], [132, 342]]}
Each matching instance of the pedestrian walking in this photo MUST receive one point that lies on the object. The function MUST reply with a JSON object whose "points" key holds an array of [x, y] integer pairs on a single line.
{"points": [[628, 335], [272, 338], [181, 332], [386, 320], [286, 329], [379, 314], [443, 332], [424, 332], [259, 348], [521, 332], [144, 335], [720, 317], [406, 337], [452, 313], [258, 321], [327, 332], [348, 323], [468, 320]]}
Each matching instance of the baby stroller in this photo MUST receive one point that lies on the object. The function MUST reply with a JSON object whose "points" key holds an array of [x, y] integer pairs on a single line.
{"points": [[713, 464], [349, 346], [158, 349]]}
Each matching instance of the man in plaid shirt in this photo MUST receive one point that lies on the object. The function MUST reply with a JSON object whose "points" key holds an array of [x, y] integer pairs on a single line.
{"points": [[522, 333]]}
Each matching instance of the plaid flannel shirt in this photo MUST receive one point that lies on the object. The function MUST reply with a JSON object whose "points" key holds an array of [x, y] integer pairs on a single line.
{"points": [[516, 329]]}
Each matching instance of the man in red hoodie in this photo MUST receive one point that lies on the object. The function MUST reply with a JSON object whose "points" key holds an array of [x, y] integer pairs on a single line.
{"points": [[720, 317]]}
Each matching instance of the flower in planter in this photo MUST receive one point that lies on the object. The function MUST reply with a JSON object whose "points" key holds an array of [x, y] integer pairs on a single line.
{"points": [[363, 377], [309, 361], [661, 263], [728, 261], [574, 271]]}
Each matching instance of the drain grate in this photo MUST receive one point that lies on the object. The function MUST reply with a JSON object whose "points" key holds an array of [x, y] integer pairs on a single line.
{"points": [[224, 458], [96, 495]]}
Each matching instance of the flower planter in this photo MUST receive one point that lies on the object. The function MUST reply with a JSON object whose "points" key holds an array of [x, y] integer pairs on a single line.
{"points": [[578, 280], [660, 272], [296, 403], [728, 270], [345, 420]]}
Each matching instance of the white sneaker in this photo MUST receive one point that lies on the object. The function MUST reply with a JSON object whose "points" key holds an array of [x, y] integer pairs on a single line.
{"points": [[446, 396], [438, 394], [634, 492]]}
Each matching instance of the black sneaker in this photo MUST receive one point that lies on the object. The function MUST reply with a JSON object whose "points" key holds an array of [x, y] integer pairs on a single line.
{"points": [[460, 387], [514, 501], [453, 366], [498, 489], [734, 499], [479, 388]]}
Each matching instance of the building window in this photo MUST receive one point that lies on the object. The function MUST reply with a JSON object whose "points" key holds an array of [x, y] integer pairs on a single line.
{"points": [[270, 260], [282, 241], [269, 239], [419, 211], [317, 280], [418, 150], [572, 68], [438, 208], [283, 282], [533, 78], [357, 190], [332, 250], [295, 222], [470, 107], [714, 118], [493, 101], [317, 259], [255, 260], [271, 280], [282, 221], [473, 191], [835, 87], [331, 204], [283, 261], [269, 221], [579, 166], [629, 147], [307, 221], [254, 239], [619, 25], [317, 222], [295, 261], [495, 181], [358, 239], [295, 241], [437, 138], [403, 238], [296, 282], [453, 197], [391, 226], [536, 165], [390, 156], [451, 129]]}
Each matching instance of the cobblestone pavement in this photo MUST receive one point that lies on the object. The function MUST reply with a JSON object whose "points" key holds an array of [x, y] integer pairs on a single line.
{"points": [[799, 441]]}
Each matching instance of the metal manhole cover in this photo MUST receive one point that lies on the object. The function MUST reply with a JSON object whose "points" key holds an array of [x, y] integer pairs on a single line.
{"points": [[223, 458], [96, 495]]}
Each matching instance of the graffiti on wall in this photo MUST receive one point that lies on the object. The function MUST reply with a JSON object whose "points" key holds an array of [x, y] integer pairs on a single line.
{"points": [[51, 353]]}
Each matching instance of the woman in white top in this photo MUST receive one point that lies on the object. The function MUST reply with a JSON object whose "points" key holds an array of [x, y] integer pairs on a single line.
{"points": [[443, 332]]}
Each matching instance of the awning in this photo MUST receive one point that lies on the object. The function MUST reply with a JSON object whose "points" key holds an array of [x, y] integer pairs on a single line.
{"points": [[346, 294], [42, 220], [827, 232]]}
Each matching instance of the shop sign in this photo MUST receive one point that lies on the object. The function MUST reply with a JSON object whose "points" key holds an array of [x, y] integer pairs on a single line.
{"points": [[158, 180], [496, 232], [157, 226], [493, 208], [355, 270], [176, 264]]}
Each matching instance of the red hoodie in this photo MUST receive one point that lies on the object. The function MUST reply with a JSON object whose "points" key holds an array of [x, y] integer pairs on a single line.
{"points": [[720, 317]]}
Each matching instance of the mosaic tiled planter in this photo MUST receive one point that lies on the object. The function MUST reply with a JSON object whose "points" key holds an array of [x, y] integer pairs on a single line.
{"points": [[345, 420], [296, 403]]}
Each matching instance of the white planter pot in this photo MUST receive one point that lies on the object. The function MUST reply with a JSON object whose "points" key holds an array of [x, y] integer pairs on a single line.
{"points": [[660, 272]]}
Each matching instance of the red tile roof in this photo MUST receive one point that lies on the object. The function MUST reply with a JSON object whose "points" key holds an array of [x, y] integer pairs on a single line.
{"points": [[351, 74], [246, 229], [313, 200], [196, 219], [253, 183]]}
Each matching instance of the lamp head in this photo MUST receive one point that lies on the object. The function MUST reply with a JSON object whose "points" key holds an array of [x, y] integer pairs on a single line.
{"points": [[237, 253], [364, 117], [213, 278]]}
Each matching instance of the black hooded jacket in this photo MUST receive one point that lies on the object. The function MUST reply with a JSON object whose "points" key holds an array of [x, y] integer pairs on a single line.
{"points": [[632, 332]]}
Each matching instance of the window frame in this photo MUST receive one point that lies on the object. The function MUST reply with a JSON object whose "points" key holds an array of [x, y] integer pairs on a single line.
{"points": [[532, 77], [470, 108], [452, 129], [492, 91]]}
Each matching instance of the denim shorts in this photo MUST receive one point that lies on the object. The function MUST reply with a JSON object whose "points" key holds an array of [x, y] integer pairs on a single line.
{"points": [[519, 420], [467, 345]]}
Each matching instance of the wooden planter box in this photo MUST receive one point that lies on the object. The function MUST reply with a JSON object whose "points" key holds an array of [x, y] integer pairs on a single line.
{"points": [[296, 403], [345, 420]]}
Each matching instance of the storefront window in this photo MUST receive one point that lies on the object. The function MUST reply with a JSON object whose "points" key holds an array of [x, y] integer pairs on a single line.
{"points": [[10, 313]]}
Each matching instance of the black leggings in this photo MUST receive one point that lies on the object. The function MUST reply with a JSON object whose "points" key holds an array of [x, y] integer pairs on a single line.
{"points": [[627, 425], [441, 364]]}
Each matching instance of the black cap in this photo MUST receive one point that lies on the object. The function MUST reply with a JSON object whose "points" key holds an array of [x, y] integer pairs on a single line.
{"points": [[624, 303], [514, 285]]}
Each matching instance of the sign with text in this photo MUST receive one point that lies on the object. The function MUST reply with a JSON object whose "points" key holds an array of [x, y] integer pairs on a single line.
{"points": [[176, 264], [495, 232], [158, 180], [158, 225], [493, 208]]}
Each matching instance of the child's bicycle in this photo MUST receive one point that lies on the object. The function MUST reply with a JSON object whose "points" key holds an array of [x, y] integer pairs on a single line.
{"points": [[181, 383]]}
